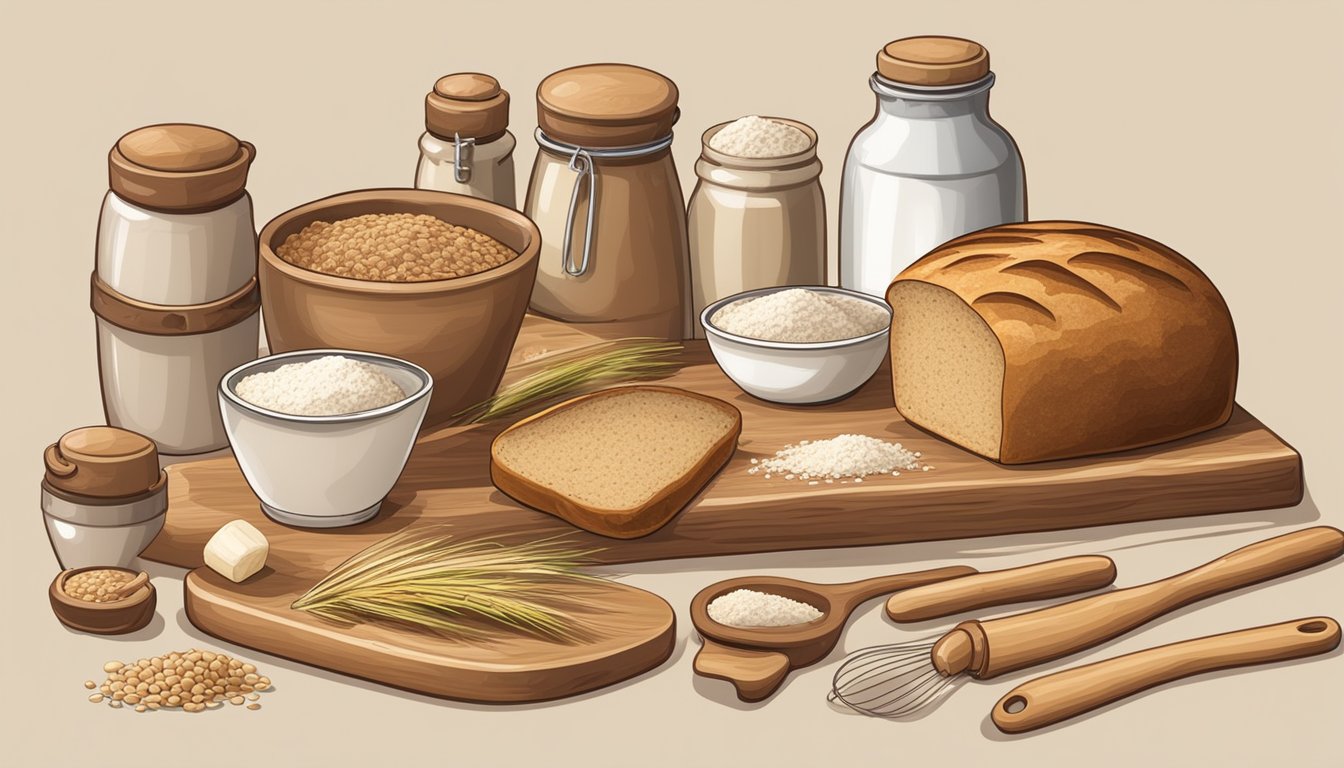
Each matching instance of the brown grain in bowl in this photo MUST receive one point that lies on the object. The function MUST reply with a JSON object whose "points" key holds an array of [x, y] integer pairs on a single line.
{"points": [[394, 247], [97, 586]]}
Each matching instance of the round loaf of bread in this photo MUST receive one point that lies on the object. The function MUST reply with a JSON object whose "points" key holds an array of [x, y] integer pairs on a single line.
{"points": [[1058, 339]]}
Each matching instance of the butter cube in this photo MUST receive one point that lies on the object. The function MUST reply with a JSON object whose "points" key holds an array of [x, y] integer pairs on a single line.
{"points": [[237, 550]]}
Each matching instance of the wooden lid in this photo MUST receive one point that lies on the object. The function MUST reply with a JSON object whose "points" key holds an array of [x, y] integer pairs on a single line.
{"points": [[933, 60], [178, 147], [103, 462], [469, 104], [179, 167], [607, 105]]}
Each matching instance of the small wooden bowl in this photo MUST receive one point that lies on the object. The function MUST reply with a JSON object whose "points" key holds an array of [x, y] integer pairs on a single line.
{"points": [[115, 618]]}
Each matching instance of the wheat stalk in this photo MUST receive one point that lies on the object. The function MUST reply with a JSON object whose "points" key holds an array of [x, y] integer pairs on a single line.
{"points": [[578, 371], [426, 579]]}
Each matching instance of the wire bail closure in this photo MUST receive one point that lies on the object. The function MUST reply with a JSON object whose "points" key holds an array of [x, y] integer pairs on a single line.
{"points": [[581, 162], [463, 149]]}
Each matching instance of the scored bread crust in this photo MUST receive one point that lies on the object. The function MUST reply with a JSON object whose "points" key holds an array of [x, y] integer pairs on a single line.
{"points": [[1110, 340], [631, 522]]}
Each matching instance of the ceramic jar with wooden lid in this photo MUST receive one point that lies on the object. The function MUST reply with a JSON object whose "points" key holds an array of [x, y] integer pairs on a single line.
{"points": [[930, 166], [175, 288], [755, 222], [467, 147], [104, 496], [605, 194]]}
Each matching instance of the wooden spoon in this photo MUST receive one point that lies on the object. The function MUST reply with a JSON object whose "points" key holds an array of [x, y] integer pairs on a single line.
{"points": [[129, 588], [1052, 698], [757, 659]]}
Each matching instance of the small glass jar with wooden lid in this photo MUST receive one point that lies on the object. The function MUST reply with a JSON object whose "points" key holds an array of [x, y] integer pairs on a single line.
{"points": [[466, 147], [605, 194]]}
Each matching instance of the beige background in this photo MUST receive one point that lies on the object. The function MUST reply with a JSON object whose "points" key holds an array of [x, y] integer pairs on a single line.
{"points": [[1214, 127]]}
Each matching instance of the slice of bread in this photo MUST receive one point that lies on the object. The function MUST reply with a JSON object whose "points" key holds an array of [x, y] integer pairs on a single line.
{"points": [[621, 462]]}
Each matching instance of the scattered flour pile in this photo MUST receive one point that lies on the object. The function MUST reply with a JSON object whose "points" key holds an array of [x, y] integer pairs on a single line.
{"points": [[756, 137], [799, 315], [749, 608], [328, 386], [855, 456]]}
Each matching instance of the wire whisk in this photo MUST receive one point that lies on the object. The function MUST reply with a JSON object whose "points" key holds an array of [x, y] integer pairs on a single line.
{"points": [[889, 680]]}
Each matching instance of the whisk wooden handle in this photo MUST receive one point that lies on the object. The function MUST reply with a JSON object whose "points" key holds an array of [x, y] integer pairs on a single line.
{"points": [[989, 648], [1050, 699], [1055, 578]]}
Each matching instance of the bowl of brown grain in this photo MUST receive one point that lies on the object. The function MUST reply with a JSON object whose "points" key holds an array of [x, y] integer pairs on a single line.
{"points": [[439, 279]]}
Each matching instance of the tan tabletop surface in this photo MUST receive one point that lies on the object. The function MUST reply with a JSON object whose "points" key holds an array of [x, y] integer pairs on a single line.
{"points": [[1211, 126]]}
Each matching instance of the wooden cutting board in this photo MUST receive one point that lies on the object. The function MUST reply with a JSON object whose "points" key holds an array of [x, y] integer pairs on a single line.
{"points": [[1238, 467], [627, 632]]}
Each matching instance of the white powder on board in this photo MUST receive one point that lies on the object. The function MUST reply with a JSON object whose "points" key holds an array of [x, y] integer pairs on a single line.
{"points": [[749, 608], [855, 456], [754, 136], [799, 315], [333, 385]]}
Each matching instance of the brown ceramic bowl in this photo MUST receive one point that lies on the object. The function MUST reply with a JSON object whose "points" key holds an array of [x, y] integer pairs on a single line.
{"points": [[125, 615], [460, 330]]}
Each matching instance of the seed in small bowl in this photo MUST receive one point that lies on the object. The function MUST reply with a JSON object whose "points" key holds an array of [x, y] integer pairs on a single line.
{"points": [[98, 586]]}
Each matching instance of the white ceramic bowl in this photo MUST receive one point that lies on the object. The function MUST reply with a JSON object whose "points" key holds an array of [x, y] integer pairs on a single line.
{"points": [[797, 373], [324, 471]]}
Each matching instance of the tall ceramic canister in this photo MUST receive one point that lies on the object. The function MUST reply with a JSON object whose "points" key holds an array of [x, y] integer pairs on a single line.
{"points": [[175, 287], [466, 147], [930, 166], [757, 216], [604, 193]]}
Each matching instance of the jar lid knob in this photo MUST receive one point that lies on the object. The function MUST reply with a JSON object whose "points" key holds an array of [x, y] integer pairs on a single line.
{"points": [[933, 61]]}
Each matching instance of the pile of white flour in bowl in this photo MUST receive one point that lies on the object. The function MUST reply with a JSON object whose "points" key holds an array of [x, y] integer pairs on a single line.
{"points": [[799, 315], [333, 385]]}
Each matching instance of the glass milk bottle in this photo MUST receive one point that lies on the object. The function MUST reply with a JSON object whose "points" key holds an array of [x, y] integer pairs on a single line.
{"points": [[755, 222], [467, 147], [932, 164]]}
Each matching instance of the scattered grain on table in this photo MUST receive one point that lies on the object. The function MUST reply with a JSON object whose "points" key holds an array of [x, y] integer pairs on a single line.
{"points": [[193, 681]]}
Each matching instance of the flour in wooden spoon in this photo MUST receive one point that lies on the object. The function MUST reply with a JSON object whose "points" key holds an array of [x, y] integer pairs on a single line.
{"points": [[749, 608]]}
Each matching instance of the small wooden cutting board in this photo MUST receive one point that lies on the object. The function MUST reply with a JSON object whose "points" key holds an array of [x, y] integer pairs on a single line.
{"points": [[628, 632]]}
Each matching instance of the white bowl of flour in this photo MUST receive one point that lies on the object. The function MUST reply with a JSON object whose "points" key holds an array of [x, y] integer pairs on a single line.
{"points": [[323, 435], [798, 344]]}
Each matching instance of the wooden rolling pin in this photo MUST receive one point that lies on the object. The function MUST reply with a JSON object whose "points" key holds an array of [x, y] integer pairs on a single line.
{"points": [[1053, 698], [987, 649], [1056, 578]]}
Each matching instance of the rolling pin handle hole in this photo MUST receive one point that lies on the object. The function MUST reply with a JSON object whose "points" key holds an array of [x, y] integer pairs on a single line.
{"points": [[1014, 705], [1312, 627]]}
